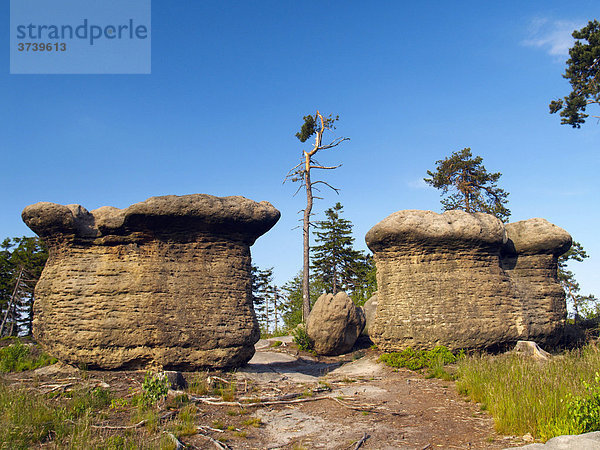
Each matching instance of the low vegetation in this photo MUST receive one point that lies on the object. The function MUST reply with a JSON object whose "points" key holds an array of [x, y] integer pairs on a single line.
{"points": [[546, 399], [18, 357], [433, 360], [301, 338]]}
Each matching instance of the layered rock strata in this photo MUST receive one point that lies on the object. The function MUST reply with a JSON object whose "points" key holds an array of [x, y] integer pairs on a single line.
{"points": [[530, 258], [451, 279], [164, 282]]}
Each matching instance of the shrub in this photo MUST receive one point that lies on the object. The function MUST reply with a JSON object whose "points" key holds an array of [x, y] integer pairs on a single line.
{"points": [[155, 387], [585, 410], [301, 338]]}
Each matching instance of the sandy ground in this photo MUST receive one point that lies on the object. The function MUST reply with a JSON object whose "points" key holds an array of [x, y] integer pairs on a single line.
{"points": [[346, 402]]}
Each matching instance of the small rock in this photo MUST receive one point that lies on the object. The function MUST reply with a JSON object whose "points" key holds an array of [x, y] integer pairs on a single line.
{"points": [[176, 380], [528, 437], [530, 348], [54, 369]]}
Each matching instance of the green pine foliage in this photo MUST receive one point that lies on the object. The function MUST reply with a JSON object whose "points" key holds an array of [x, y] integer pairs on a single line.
{"points": [[335, 262], [583, 73], [29, 254], [584, 306], [467, 185], [292, 290], [309, 127], [268, 302]]}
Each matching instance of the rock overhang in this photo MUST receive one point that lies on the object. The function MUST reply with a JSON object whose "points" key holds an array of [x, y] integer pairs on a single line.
{"points": [[428, 228], [233, 215]]}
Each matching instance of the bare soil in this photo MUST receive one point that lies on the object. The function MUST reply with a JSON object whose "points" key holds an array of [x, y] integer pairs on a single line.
{"points": [[289, 399]]}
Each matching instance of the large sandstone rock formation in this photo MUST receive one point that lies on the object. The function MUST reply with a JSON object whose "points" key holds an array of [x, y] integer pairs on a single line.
{"points": [[334, 324], [164, 282], [464, 280], [530, 258]]}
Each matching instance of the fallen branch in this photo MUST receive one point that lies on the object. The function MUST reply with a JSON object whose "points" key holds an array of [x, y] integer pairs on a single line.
{"points": [[220, 445], [361, 441], [141, 423], [56, 387], [259, 403], [223, 380], [204, 427], [177, 442]]}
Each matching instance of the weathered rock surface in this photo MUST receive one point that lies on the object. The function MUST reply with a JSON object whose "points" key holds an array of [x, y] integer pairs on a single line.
{"points": [[586, 441], [334, 324], [530, 258], [164, 282], [531, 349], [453, 279], [369, 308]]}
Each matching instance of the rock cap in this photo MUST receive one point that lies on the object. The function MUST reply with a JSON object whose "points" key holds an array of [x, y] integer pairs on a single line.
{"points": [[194, 212], [536, 236], [428, 227]]}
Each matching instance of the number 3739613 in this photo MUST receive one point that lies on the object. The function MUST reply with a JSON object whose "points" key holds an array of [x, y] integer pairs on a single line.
{"points": [[42, 47]]}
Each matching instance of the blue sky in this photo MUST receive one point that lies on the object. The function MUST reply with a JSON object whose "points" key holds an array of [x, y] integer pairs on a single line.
{"points": [[230, 82]]}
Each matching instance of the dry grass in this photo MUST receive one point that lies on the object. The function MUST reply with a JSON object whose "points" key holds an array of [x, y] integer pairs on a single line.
{"points": [[526, 396]]}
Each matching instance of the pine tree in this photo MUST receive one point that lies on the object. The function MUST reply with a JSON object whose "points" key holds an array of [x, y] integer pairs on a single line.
{"points": [[582, 305], [583, 73], [262, 286], [365, 282], [475, 190], [333, 252], [21, 263], [292, 301], [336, 264], [315, 126]]}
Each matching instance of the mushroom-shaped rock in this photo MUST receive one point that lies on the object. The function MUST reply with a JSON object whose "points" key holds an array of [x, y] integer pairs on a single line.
{"points": [[530, 258], [164, 282], [334, 324], [370, 309], [454, 279], [440, 282]]}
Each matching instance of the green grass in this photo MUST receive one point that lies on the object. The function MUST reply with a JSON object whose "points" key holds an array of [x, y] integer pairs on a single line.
{"points": [[18, 357], [546, 399], [30, 419], [434, 360]]}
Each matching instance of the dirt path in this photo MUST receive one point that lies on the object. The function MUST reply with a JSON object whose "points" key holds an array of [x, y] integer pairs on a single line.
{"points": [[326, 402], [393, 408]]}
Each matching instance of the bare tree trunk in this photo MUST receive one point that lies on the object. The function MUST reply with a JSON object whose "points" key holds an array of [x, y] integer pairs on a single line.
{"points": [[306, 235], [266, 314], [275, 307], [11, 303], [334, 281]]}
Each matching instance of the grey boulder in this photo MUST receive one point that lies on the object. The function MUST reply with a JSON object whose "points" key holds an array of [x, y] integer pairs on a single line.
{"points": [[369, 308], [334, 324], [587, 441]]}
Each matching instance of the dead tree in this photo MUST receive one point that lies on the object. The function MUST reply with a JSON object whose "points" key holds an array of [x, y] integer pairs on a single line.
{"points": [[313, 126]]}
